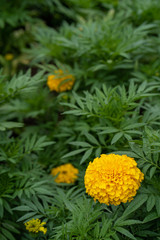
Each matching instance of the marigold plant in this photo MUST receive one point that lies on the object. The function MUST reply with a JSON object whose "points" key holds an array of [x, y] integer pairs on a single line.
{"points": [[112, 179], [66, 173], [35, 226], [60, 82]]}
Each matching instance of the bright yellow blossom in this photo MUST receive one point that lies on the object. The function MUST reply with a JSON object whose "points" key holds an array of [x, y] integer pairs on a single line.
{"points": [[112, 179], [60, 82], [35, 226], [9, 56], [66, 173]]}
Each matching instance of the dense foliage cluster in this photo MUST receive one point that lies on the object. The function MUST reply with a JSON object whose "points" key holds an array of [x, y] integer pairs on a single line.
{"points": [[79, 80]]}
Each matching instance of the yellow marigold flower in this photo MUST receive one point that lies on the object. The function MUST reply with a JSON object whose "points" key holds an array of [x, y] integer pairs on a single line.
{"points": [[112, 179], [9, 56], [35, 226], [66, 173], [60, 82]]}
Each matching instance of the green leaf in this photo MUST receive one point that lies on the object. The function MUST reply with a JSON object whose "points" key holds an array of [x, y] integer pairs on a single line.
{"points": [[22, 208], [146, 167], [43, 191], [109, 130], [116, 137], [152, 171], [5, 125], [26, 216], [142, 87], [128, 137], [135, 204], [128, 153], [75, 152], [105, 226], [135, 148], [81, 144], [7, 234], [135, 125], [2, 237], [96, 230], [98, 152], [128, 222], [125, 232], [158, 205], [86, 155], [1, 209], [152, 216], [91, 138], [10, 226], [150, 202], [115, 236], [78, 100]]}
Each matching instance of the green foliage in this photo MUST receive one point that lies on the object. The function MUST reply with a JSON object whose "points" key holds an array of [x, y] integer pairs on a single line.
{"points": [[111, 47], [97, 47]]}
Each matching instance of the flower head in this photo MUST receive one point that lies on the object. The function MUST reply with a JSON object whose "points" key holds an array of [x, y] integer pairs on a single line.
{"points": [[35, 226], [60, 82], [112, 179], [66, 173], [9, 56]]}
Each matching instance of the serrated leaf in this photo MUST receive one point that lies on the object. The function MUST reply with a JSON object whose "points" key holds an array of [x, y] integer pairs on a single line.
{"points": [[98, 152], [125, 232], [86, 155], [22, 208], [135, 125], [135, 204], [43, 191], [81, 144], [128, 222], [78, 100], [152, 171], [152, 216], [26, 216], [150, 202], [7, 234], [146, 167], [142, 87], [116, 137], [109, 130], [91, 138], [75, 152], [105, 227]]}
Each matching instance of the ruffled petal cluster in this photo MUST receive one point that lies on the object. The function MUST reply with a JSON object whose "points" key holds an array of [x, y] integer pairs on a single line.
{"points": [[112, 179], [35, 226], [60, 82], [66, 173]]}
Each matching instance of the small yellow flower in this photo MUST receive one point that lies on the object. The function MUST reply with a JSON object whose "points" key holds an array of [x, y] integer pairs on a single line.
{"points": [[157, 74], [9, 56], [112, 179], [60, 82], [35, 226], [66, 173]]}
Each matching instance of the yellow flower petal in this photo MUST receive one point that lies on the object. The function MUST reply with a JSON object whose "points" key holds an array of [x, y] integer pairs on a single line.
{"points": [[114, 176], [60, 82], [66, 173]]}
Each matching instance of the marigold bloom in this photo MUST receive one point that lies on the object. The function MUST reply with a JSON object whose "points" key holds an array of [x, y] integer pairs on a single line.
{"points": [[9, 56], [35, 226], [112, 179], [66, 173], [60, 82]]}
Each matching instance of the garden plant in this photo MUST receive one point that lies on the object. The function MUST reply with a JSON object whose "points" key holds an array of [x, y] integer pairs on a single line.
{"points": [[79, 120]]}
